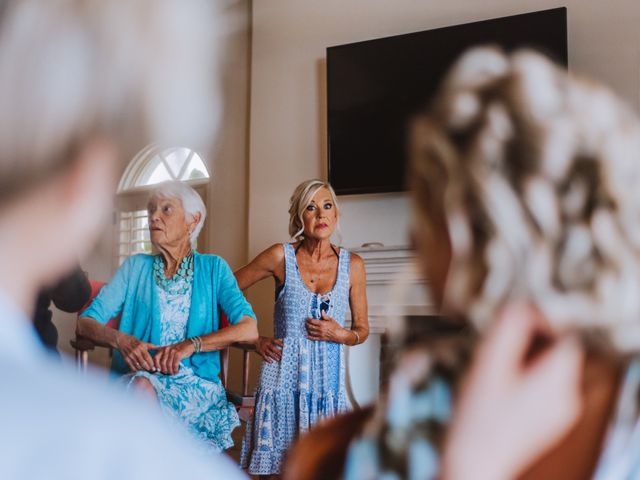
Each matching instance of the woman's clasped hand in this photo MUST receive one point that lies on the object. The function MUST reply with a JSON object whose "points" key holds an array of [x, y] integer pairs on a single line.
{"points": [[167, 359], [136, 353], [326, 329]]}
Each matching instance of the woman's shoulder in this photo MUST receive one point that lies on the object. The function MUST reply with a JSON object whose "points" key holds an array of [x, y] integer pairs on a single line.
{"points": [[142, 257], [137, 260], [209, 258], [356, 265], [355, 259], [212, 261], [211, 265], [277, 250], [272, 255]]}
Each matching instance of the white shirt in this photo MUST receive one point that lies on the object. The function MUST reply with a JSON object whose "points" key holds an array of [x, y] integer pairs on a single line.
{"points": [[56, 424]]}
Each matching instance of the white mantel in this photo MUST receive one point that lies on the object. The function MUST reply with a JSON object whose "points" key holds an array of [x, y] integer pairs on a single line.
{"points": [[395, 289]]}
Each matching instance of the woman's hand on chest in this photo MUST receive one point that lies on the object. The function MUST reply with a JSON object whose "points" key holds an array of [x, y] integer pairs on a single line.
{"points": [[326, 329]]}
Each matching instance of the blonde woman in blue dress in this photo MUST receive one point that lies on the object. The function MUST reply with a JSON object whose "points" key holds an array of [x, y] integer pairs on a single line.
{"points": [[302, 378]]}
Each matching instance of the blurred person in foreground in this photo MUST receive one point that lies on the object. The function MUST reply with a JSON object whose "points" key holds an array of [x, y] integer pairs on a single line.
{"points": [[527, 226], [84, 85], [168, 339]]}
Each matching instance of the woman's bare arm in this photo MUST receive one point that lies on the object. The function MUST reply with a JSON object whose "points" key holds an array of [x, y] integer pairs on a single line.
{"points": [[358, 300], [98, 333], [135, 352], [245, 331], [269, 263]]}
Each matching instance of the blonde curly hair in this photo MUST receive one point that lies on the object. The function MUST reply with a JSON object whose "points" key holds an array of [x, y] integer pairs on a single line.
{"points": [[300, 200], [535, 173]]}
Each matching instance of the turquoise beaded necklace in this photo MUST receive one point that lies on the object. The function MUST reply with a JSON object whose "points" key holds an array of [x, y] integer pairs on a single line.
{"points": [[180, 282]]}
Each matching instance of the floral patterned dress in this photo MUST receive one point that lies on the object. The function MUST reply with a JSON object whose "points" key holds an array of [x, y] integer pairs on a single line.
{"points": [[308, 383], [199, 403]]}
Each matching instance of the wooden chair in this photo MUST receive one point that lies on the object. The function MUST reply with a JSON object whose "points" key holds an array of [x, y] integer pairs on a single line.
{"points": [[83, 346], [243, 400]]}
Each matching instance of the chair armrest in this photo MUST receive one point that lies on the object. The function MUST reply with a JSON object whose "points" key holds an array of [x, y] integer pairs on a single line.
{"points": [[247, 347], [82, 344]]}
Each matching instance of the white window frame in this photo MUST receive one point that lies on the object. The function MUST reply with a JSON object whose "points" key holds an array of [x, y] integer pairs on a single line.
{"points": [[132, 198]]}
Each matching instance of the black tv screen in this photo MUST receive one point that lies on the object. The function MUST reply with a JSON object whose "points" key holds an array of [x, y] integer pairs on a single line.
{"points": [[374, 87]]}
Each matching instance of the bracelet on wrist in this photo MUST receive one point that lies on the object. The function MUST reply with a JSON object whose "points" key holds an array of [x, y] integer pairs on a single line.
{"points": [[357, 337], [197, 344]]}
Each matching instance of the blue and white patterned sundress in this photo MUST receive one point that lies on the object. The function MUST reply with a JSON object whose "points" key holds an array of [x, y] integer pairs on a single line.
{"points": [[199, 403], [308, 384]]}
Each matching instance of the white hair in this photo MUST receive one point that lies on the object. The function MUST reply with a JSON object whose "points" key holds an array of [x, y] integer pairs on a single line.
{"points": [[131, 71], [535, 173], [190, 200]]}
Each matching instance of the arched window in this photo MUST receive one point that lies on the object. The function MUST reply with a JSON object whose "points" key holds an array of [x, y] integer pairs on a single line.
{"points": [[149, 167], [154, 165]]}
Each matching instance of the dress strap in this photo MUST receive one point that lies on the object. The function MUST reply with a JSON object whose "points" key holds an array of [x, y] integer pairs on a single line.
{"points": [[289, 262], [344, 264], [331, 245]]}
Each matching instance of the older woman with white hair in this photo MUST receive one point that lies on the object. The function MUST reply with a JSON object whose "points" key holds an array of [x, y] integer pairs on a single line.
{"points": [[84, 84], [302, 380], [168, 338]]}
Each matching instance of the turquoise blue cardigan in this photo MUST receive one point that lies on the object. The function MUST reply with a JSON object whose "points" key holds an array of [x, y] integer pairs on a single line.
{"points": [[132, 293]]}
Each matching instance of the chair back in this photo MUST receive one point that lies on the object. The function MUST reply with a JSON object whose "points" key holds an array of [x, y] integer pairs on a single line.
{"points": [[96, 286], [81, 345]]}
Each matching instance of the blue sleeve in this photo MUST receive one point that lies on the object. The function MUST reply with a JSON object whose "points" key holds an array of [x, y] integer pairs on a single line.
{"points": [[230, 297], [108, 303]]}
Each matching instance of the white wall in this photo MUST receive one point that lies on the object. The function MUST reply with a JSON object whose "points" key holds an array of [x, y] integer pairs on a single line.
{"points": [[286, 98], [228, 161], [288, 120]]}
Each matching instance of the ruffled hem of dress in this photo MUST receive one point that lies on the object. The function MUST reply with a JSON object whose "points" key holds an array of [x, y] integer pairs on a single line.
{"points": [[260, 455], [265, 463], [218, 443]]}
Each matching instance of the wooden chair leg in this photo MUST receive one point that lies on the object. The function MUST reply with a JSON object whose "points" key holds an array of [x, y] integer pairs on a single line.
{"points": [[244, 402], [82, 360], [245, 373], [224, 366]]}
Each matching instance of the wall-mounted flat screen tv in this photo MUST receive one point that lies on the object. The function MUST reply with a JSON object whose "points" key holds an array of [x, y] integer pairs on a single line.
{"points": [[374, 87]]}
